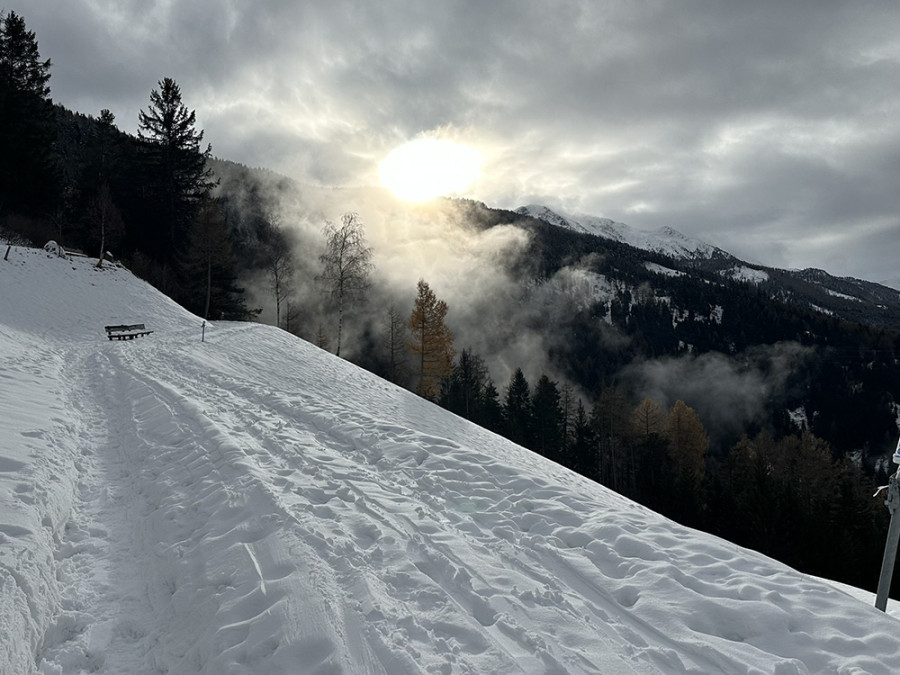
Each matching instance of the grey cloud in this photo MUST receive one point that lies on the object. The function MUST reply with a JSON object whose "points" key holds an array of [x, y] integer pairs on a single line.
{"points": [[724, 120]]}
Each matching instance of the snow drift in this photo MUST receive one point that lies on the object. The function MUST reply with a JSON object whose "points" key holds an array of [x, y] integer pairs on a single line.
{"points": [[252, 504]]}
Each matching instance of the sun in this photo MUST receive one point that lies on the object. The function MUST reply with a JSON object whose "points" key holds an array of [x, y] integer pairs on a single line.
{"points": [[429, 167]]}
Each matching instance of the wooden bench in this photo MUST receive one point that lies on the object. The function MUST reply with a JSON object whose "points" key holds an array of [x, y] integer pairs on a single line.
{"points": [[126, 332]]}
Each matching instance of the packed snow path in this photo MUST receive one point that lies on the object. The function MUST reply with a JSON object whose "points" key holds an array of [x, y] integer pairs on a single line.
{"points": [[251, 504]]}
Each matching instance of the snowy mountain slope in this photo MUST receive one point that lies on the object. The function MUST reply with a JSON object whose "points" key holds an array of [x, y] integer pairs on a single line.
{"points": [[848, 298], [253, 504], [665, 240]]}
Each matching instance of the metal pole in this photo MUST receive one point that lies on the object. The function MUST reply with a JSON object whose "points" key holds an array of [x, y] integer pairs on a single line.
{"points": [[890, 546], [893, 537]]}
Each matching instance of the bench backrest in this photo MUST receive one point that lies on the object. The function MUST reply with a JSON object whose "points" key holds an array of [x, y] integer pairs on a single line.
{"points": [[118, 329]]}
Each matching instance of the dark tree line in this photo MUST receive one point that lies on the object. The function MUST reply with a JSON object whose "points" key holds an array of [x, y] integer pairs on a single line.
{"points": [[147, 201], [30, 179]]}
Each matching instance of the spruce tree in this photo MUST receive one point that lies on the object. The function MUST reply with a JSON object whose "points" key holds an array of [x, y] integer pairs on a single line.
{"points": [[517, 409], [176, 168], [462, 391], [547, 418], [490, 410], [29, 176], [583, 452]]}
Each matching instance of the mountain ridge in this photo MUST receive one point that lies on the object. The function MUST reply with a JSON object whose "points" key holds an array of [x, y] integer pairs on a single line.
{"points": [[809, 287]]}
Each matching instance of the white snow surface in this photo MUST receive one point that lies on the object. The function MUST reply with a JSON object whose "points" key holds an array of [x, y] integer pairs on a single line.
{"points": [[666, 240], [660, 269], [252, 504], [749, 274]]}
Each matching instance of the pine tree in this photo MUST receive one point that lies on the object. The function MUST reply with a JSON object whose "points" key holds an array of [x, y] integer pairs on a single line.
{"points": [[29, 176], [490, 410], [517, 410], [583, 453], [177, 171], [547, 418], [431, 341], [462, 391], [347, 264]]}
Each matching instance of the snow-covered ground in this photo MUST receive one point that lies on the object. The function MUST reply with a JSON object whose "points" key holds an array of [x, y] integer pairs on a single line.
{"points": [[749, 274], [251, 504]]}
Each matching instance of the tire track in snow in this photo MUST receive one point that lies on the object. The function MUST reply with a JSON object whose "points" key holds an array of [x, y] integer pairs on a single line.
{"points": [[378, 491], [205, 509], [322, 481]]}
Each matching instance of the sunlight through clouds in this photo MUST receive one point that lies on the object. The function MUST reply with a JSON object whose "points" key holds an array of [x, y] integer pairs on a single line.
{"points": [[429, 167]]}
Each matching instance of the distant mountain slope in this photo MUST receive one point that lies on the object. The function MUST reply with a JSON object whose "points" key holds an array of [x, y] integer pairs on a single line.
{"points": [[843, 297], [253, 504], [666, 240]]}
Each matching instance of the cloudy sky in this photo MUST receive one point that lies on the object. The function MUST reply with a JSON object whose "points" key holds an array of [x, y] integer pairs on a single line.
{"points": [[769, 128]]}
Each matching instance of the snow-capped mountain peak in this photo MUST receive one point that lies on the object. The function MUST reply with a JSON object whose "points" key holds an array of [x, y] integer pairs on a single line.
{"points": [[666, 240]]}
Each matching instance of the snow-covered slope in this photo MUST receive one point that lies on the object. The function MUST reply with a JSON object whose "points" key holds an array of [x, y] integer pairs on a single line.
{"points": [[665, 240], [251, 504]]}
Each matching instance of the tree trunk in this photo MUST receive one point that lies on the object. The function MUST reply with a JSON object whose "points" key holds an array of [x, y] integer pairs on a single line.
{"points": [[102, 241], [208, 283], [422, 360], [277, 301]]}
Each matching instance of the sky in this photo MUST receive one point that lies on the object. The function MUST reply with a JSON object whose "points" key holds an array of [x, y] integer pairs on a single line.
{"points": [[770, 129]]}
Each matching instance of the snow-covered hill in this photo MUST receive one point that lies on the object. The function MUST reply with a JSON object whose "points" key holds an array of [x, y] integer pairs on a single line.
{"points": [[251, 504]]}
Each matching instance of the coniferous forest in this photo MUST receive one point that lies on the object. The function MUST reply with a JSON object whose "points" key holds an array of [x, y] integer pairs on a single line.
{"points": [[793, 478]]}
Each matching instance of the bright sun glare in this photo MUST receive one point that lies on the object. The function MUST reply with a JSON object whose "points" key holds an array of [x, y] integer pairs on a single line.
{"points": [[428, 168]]}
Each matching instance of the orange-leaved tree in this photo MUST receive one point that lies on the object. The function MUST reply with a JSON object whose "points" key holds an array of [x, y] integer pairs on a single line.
{"points": [[431, 342]]}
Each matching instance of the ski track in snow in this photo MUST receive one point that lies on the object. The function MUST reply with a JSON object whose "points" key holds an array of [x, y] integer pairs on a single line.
{"points": [[253, 505]]}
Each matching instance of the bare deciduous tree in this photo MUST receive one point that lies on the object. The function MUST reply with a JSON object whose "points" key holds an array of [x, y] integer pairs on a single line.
{"points": [[107, 219], [280, 268], [347, 264]]}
